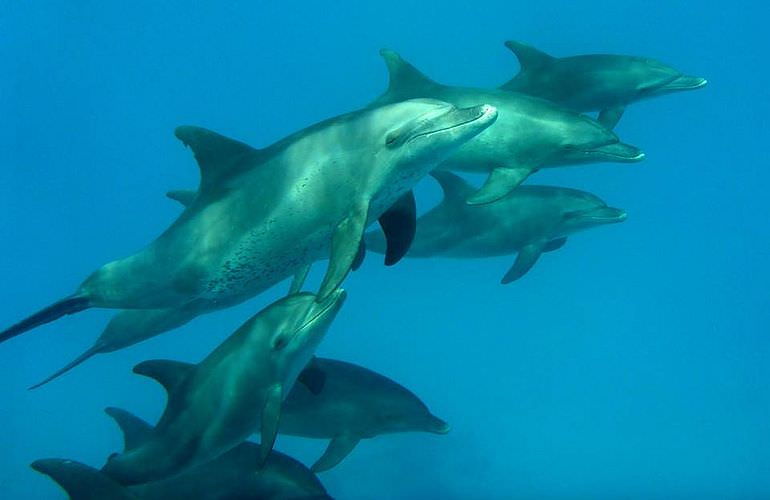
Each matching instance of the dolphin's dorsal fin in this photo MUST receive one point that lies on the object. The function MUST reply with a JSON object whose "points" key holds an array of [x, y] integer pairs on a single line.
{"points": [[529, 57], [218, 156], [135, 430], [80, 481], [456, 190], [168, 373], [183, 196], [403, 76]]}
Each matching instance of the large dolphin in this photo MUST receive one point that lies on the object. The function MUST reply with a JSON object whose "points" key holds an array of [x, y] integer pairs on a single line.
{"points": [[595, 82], [353, 404], [234, 474], [529, 134], [237, 389], [260, 216], [530, 220]]}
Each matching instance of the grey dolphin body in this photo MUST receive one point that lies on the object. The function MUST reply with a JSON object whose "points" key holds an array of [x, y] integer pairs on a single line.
{"points": [[238, 388], [354, 404], [233, 475], [530, 220], [529, 134], [260, 216], [595, 82]]}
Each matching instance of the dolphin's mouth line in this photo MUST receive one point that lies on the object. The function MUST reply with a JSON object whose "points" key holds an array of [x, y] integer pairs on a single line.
{"points": [[685, 83], [610, 214], [612, 155], [325, 307], [444, 129]]}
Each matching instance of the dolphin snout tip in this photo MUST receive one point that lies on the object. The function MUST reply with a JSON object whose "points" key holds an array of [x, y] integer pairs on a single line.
{"points": [[438, 426], [488, 109]]}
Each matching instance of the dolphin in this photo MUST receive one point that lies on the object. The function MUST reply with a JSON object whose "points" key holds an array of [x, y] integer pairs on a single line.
{"points": [[353, 404], [260, 216], [234, 474], [529, 134], [530, 220], [238, 388], [595, 82]]}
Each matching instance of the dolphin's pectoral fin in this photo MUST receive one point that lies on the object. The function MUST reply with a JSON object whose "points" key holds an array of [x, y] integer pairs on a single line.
{"points": [[524, 262], [80, 481], [345, 244], [500, 182], [217, 156], [399, 224], [271, 416], [135, 430], [611, 116], [90, 352], [339, 447], [455, 189], [166, 372], [312, 377], [299, 279], [70, 305], [360, 256], [183, 196], [554, 244], [529, 57]]}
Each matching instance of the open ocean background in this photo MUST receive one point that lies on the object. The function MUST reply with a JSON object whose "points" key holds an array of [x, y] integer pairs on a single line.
{"points": [[632, 363]]}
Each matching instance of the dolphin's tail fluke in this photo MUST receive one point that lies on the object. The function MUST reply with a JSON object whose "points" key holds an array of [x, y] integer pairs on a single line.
{"points": [[93, 350], [70, 305]]}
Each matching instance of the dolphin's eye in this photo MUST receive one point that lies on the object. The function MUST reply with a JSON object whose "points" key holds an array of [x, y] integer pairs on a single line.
{"points": [[391, 138], [280, 342]]}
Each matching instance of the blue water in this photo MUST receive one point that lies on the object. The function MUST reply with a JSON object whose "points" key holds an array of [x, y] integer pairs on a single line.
{"points": [[631, 363]]}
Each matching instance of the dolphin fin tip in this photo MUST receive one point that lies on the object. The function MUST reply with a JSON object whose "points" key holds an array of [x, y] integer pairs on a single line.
{"points": [[70, 305], [93, 350]]}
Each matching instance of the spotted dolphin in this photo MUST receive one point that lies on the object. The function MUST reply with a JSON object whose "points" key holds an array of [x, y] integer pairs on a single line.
{"points": [[260, 216], [529, 134], [529, 221], [354, 403], [236, 390], [595, 82]]}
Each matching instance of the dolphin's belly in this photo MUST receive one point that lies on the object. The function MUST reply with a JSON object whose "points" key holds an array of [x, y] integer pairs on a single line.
{"points": [[262, 258], [480, 246], [318, 421]]}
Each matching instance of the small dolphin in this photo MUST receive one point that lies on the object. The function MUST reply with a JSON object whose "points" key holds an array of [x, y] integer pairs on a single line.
{"points": [[595, 82], [530, 220], [260, 216], [237, 389], [529, 133], [234, 474], [354, 404]]}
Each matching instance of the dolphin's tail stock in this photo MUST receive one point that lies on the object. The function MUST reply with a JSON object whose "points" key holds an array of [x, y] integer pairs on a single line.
{"points": [[70, 305], [91, 351]]}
